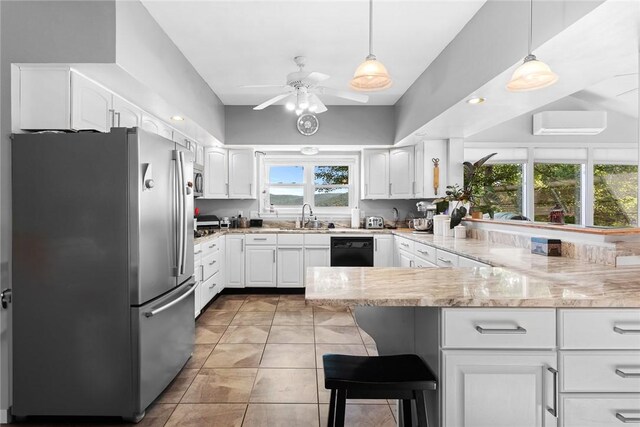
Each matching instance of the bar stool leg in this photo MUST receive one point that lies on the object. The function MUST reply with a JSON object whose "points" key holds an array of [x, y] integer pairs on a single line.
{"points": [[407, 418], [332, 409], [341, 403], [421, 405]]}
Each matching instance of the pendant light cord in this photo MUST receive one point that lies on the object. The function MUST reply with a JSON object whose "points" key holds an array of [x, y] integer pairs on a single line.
{"points": [[530, 25], [370, 27]]}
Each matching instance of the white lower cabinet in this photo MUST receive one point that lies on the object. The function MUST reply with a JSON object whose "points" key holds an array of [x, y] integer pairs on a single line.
{"points": [[499, 388], [405, 259], [234, 263], [260, 266], [383, 251], [290, 267], [600, 410]]}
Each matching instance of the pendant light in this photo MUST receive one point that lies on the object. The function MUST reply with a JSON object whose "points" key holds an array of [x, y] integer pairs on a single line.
{"points": [[371, 75], [532, 74]]}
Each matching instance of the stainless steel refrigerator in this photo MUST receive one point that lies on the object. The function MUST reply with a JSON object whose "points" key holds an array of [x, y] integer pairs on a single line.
{"points": [[102, 271]]}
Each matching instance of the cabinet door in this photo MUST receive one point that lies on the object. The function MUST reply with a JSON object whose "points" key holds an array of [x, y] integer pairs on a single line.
{"points": [[260, 266], [498, 389], [90, 105], [242, 174], [401, 173], [290, 267], [216, 181], [44, 98], [383, 251], [150, 124], [126, 114], [375, 174], [199, 155], [419, 172], [234, 261], [222, 242], [405, 259]]}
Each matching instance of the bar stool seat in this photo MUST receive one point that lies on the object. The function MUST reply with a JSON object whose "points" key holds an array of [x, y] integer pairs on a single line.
{"points": [[405, 376]]}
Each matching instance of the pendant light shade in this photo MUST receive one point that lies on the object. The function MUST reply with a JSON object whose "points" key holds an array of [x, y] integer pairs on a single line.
{"points": [[371, 75], [532, 74]]}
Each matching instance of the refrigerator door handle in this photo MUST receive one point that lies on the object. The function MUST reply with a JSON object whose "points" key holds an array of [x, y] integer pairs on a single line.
{"points": [[183, 190], [180, 211], [160, 309]]}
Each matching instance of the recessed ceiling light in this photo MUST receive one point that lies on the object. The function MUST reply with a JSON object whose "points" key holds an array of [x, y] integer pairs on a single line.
{"points": [[476, 100], [309, 151], [177, 118]]}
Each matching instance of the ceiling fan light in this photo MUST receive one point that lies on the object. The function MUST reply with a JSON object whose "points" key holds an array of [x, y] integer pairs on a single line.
{"points": [[313, 108], [299, 111], [290, 106], [371, 75]]}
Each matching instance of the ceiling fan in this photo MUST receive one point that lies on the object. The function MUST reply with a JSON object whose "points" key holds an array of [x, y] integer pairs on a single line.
{"points": [[302, 90]]}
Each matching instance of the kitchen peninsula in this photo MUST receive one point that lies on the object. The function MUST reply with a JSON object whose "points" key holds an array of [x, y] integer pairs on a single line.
{"points": [[530, 340]]}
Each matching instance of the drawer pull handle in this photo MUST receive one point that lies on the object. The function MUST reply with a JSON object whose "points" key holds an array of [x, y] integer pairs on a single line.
{"points": [[212, 262], [404, 244], [212, 246], [517, 330], [198, 253], [624, 374], [212, 286], [627, 419], [554, 411], [423, 252], [444, 260], [625, 331], [259, 238]]}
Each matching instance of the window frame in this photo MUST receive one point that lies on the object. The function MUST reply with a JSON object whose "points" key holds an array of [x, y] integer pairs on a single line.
{"points": [[523, 185], [309, 186]]}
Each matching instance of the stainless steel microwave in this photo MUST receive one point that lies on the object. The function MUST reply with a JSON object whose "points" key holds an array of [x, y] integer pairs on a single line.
{"points": [[198, 182]]}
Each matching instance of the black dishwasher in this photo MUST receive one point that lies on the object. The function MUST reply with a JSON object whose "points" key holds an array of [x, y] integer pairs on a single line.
{"points": [[352, 252]]}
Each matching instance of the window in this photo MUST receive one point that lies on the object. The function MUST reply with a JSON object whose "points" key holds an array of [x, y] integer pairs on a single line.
{"points": [[327, 183], [558, 184], [615, 195], [499, 189]]}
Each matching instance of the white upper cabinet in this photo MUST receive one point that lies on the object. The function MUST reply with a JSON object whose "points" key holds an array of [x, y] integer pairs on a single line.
{"points": [[153, 125], [216, 184], [125, 114], [242, 174], [90, 105], [375, 182], [45, 99], [402, 173], [419, 170]]}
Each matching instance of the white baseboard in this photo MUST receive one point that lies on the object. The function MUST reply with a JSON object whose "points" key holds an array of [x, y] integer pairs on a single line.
{"points": [[5, 418]]}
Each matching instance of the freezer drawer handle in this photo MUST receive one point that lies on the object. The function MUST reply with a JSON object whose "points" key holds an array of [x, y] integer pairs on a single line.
{"points": [[624, 374], [158, 310], [627, 420], [625, 331], [517, 330]]}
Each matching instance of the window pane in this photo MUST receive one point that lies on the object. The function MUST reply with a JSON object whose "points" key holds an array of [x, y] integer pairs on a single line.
{"points": [[557, 183], [286, 175], [326, 197], [498, 189], [615, 189], [286, 196], [331, 175]]}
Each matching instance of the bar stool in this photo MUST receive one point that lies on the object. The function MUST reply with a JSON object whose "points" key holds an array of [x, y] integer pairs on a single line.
{"points": [[404, 376]]}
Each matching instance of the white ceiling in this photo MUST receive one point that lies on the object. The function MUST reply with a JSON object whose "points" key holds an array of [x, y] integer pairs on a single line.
{"points": [[241, 42]]}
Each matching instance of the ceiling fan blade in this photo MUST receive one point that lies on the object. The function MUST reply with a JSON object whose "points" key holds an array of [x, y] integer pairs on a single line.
{"points": [[627, 91], [344, 94], [271, 101], [264, 86], [315, 77], [320, 107]]}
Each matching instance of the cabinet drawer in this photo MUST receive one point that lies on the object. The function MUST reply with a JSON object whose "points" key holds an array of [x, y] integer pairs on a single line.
{"points": [[210, 288], [600, 371], [317, 240], [210, 265], [290, 239], [468, 262], [197, 251], [404, 244], [446, 259], [498, 328], [425, 252], [600, 411], [420, 263], [209, 247], [261, 239], [617, 329]]}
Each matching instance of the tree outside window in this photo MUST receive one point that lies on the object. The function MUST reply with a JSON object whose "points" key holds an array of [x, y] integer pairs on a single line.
{"points": [[557, 184], [498, 188], [615, 191], [331, 186]]}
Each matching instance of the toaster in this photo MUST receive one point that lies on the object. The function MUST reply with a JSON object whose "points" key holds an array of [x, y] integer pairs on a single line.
{"points": [[374, 222]]}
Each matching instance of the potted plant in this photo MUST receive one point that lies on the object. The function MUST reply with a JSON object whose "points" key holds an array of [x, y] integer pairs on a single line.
{"points": [[465, 195]]}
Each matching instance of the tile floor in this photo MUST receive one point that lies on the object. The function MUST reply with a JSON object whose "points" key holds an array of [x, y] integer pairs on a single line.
{"points": [[258, 362]]}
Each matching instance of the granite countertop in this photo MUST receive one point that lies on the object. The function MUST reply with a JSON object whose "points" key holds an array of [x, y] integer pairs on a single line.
{"points": [[467, 287], [267, 230]]}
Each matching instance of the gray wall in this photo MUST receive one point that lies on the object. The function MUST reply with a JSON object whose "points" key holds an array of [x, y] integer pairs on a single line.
{"points": [[145, 51], [491, 42], [340, 125], [621, 128], [42, 31]]}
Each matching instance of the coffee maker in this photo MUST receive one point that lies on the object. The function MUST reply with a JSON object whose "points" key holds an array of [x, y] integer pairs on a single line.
{"points": [[425, 223]]}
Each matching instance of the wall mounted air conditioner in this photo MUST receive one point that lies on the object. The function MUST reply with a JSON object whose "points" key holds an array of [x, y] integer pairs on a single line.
{"points": [[569, 122]]}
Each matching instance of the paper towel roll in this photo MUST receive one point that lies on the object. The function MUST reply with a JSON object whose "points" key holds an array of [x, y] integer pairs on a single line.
{"points": [[355, 218]]}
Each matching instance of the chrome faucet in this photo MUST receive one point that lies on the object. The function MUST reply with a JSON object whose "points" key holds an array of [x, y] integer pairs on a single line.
{"points": [[304, 223]]}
